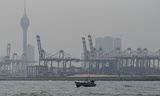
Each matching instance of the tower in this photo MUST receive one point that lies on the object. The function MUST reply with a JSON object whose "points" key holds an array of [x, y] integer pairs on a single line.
{"points": [[117, 43], [25, 24], [108, 42]]}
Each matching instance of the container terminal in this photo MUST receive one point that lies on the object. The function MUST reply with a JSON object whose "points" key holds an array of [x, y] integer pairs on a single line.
{"points": [[129, 64], [103, 62]]}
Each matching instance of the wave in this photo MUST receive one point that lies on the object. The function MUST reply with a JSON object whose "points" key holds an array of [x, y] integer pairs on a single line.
{"points": [[41, 93]]}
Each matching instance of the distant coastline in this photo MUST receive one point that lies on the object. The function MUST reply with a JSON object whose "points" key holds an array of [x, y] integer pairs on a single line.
{"points": [[75, 78]]}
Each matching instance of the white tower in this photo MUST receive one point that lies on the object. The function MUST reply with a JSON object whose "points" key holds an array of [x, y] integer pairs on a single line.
{"points": [[25, 24]]}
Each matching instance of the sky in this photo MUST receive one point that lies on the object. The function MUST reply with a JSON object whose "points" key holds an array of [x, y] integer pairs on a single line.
{"points": [[62, 23]]}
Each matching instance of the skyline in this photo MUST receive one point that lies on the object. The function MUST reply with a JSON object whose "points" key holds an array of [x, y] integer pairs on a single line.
{"points": [[66, 22]]}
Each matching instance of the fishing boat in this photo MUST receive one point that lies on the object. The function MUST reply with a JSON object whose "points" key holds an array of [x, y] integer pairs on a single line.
{"points": [[87, 83]]}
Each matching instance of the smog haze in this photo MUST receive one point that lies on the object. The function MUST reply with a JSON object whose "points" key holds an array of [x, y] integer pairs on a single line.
{"points": [[62, 23]]}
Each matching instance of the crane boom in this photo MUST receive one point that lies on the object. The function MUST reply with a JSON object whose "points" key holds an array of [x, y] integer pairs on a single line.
{"points": [[84, 47], [90, 43], [40, 50]]}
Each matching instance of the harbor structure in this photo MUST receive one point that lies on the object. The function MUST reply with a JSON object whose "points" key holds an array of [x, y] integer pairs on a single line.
{"points": [[140, 61]]}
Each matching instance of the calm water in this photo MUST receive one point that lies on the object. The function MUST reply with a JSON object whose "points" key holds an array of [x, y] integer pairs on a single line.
{"points": [[67, 88]]}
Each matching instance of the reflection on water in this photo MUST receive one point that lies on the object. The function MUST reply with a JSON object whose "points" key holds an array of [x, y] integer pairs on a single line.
{"points": [[67, 88]]}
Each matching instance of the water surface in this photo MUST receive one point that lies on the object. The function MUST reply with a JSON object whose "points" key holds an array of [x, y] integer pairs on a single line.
{"points": [[67, 88]]}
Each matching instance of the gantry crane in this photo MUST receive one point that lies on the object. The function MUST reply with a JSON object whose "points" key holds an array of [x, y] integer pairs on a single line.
{"points": [[85, 51], [40, 49]]}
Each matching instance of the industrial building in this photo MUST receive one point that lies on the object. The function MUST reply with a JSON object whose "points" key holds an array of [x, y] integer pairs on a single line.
{"points": [[107, 43]]}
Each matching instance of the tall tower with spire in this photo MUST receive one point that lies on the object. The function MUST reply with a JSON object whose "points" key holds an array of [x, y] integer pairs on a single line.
{"points": [[25, 24]]}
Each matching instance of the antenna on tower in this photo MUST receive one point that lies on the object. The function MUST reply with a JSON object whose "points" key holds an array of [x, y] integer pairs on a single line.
{"points": [[25, 7]]}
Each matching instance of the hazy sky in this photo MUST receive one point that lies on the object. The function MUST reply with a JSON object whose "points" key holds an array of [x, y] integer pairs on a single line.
{"points": [[62, 23]]}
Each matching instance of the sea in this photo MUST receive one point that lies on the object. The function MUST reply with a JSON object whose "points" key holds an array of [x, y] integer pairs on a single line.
{"points": [[68, 88]]}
